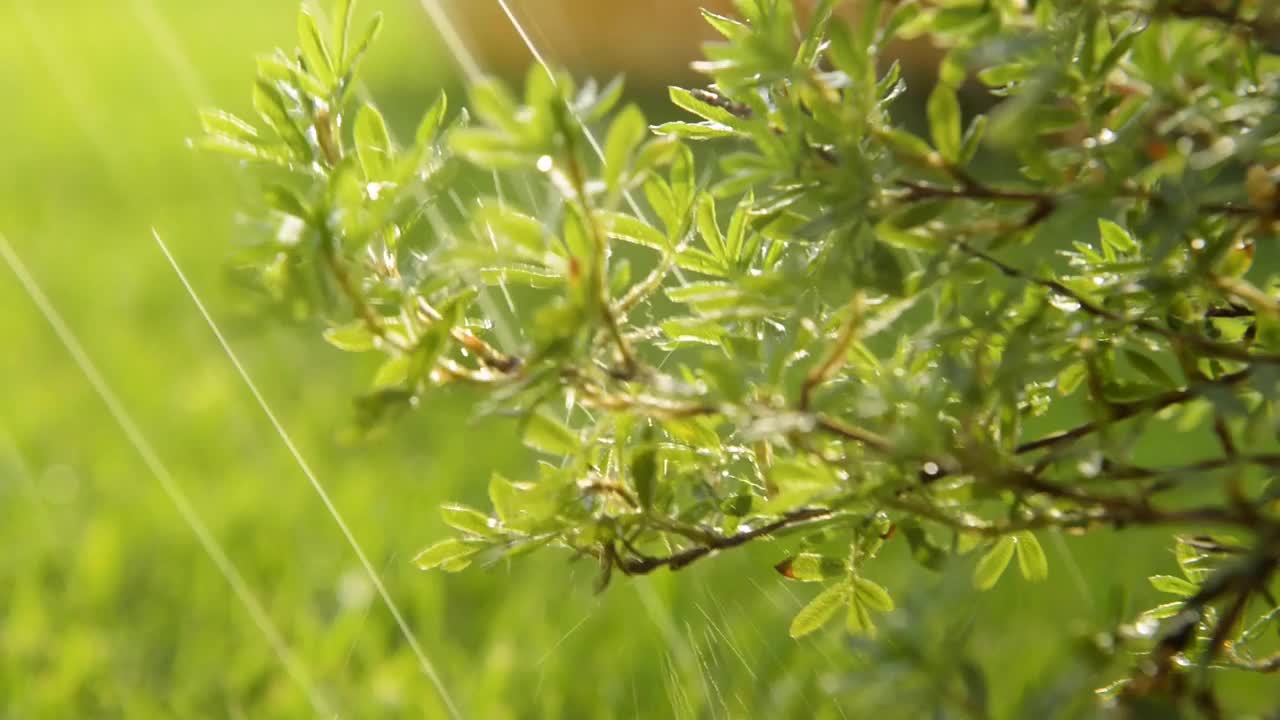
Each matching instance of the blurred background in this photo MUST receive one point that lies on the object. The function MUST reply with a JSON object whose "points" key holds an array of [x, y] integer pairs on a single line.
{"points": [[108, 605]]}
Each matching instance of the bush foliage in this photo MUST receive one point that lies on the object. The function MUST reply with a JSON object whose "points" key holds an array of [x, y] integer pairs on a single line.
{"points": [[796, 314]]}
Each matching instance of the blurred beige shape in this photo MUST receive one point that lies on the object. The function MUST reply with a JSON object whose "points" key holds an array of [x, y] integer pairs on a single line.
{"points": [[651, 41]]}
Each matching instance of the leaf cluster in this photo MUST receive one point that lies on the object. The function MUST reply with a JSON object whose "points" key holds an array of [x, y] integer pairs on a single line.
{"points": [[835, 327]]}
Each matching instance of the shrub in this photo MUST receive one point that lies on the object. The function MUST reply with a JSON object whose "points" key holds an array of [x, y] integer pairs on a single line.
{"points": [[831, 327]]}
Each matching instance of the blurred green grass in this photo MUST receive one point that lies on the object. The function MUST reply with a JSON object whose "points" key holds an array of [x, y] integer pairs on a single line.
{"points": [[108, 606]]}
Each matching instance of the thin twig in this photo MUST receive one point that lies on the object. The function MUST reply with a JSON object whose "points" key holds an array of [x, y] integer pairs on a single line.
{"points": [[836, 357], [675, 561], [1127, 410]]}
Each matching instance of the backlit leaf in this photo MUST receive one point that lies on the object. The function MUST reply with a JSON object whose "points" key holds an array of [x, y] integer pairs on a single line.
{"points": [[1031, 559], [820, 609], [450, 554], [872, 595], [992, 564]]}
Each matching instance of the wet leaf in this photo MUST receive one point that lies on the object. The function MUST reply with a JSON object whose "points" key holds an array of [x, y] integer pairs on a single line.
{"points": [[992, 564], [450, 554], [1031, 559], [1173, 585], [820, 609], [872, 595], [944, 121]]}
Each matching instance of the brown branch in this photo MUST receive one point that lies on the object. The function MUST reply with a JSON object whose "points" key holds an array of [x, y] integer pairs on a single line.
{"points": [[489, 355], [836, 357], [972, 189], [643, 565], [599, 270], [1123, 510], [353, 295], [1270, 664], [1128, 410], [1230, 311], [1224, 351], [870, 439]]}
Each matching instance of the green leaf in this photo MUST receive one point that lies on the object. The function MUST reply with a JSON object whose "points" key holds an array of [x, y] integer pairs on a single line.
{"points": [[695, 131], [1268, 331], [496, 105], [1164, 610], [683, 184], [658, 192], [798, 481], [902, 16], [366, 39], [502, 495], [1173, 585], [881, 268], [1122, 45], [1000, 75], [944, 121], [1071, 377], [858, 620], [546, 434], [684, 99], [512, 230], [490, 149], [1116, 237], [432, 120], [991, 566], [373, 144], [283, 71], [313, 47], [700, 261], [352, 337], [819, 610], [972, 139], [734, 238], [872, 595], [726, 26], [342, 11], [273, 154], [1031, 559], [963, 20], [625, 134], [953, 67], [622, 226], [437, 339], [219, 122], [705, 331], [709, 229], [450, 555], [810, 567], [849, 53], [271, 107], [468, 520], [869, 25], [411, 163], [887, 231], [903, 143], [393, 373]]}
